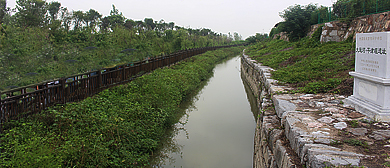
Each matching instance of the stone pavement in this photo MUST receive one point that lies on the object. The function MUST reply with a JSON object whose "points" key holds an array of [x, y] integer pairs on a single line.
{"points": [[296, 130]]}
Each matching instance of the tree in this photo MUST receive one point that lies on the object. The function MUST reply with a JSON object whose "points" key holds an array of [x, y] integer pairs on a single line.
{"points": [[296, 20], [31, 12], [66, 18], [149, 23], [116, 18], [54, 8], [161, 25], [257, 38], [3, 10], [130, 24], [237, 37], [205, 32], [78, 19], [171, 25], [91, 18]]}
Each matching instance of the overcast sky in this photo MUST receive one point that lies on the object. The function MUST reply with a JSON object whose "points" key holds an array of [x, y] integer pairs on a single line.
{"points": [[247, 17]]}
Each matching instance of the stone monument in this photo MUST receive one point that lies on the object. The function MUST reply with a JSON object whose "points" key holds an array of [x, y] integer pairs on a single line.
{"points": [[371, 89]]}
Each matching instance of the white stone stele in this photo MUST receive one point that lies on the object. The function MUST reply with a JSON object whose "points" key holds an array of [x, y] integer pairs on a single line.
{"points": [[371, 90]]}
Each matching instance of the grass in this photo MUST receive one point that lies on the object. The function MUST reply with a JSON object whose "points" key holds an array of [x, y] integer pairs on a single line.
{"points": [[119, 127], [307, 64]]}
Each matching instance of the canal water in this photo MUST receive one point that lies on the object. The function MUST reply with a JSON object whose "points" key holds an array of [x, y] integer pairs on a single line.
{"points": [[218, 126]]}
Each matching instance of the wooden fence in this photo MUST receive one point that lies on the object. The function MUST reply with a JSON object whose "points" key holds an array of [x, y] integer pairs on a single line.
{"points": [[21, 103]]}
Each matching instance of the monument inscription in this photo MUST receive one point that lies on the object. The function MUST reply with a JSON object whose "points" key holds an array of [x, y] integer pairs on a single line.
{"points": [[371, 54], [371, 90]]}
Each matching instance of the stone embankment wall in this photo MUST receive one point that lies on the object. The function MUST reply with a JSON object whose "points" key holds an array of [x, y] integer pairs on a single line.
{"points": [[341, 30], [296, 129], [270, 146]]}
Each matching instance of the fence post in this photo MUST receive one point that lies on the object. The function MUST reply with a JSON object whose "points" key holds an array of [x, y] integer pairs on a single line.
{"points": [[123, 73], [376, 6], [319, 17], [99, 80], [364, 7], [62, 90]]}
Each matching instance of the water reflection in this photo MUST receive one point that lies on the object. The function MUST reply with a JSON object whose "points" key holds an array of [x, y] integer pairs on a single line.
{"points": [[251, 98], [218, 127]]}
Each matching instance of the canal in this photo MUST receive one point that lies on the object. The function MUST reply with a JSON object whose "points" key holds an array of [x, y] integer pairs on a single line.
{"points": [[218, 126]]}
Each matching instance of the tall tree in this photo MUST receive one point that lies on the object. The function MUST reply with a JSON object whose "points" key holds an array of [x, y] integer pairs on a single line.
{"points": [[3, 6], [78, 19], [92, 17], [237, 37], [116, 18], [66, 18], [130, 24], [149, 23], [31, 12], [171, 25], [54, 8], [296, 20]]}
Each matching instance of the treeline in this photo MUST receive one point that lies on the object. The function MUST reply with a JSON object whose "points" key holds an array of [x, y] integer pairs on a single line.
{"points": [[42, 40], [298, 18]]}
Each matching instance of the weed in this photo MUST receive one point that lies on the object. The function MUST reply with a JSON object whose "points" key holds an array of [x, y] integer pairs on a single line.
{"points": [[353, 123], [355, 142], [335, 142], [388, 157]]}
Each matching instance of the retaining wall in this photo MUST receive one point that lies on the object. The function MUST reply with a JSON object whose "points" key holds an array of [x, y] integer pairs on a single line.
{"points": [[270, 146], [341, 30]]}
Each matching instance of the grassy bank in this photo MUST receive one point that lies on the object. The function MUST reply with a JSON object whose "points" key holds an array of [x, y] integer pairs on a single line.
{"points": [[310, 66], [119, 127]]}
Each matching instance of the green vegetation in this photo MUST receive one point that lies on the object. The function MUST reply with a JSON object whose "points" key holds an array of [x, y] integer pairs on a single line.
{"points": [[307, 64], [353, 123], [45, 41], [296, 21], [257, 38], [298, 18], [356, 8], [119, 127], [355, 142]]}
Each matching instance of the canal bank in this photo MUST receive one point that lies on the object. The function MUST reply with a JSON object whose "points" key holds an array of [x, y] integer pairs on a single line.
{"points": [[310, 130], [217, 129]]}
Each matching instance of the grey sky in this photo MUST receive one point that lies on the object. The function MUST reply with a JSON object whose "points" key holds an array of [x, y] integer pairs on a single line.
{"points": [[247, 17]]}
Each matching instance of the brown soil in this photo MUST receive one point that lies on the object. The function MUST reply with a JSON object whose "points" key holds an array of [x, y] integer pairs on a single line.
{"points": [[345, 88]]}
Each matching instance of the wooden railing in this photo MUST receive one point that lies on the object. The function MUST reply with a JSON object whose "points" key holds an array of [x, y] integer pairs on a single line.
{"points": [[20, 103]]}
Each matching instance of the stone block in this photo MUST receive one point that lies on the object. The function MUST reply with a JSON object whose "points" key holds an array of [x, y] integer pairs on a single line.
{"points": [[333, 33], [319, 155], [282, 106]]}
